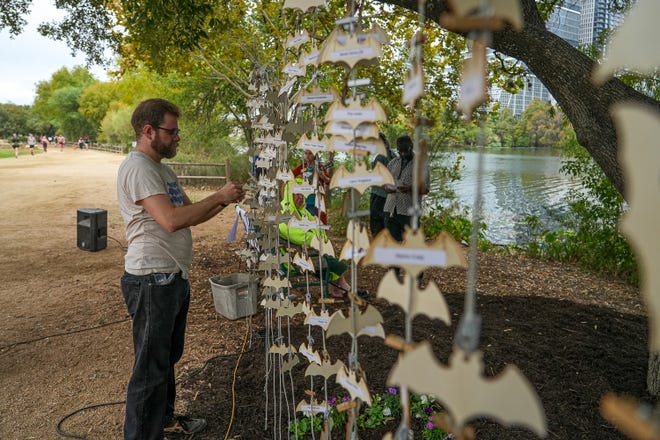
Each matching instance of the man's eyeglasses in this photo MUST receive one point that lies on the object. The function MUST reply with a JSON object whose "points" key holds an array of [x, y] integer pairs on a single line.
{"points": [[172, 131]]}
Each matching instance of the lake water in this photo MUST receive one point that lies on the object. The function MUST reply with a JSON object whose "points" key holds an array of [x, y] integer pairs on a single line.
{"points": [[516, 183]]}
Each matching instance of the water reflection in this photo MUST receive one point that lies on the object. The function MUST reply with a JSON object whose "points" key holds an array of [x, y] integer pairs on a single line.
{"points": [[516, 183]]}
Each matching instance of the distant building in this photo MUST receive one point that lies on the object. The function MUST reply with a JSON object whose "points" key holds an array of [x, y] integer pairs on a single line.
{"points": [[579, 22], [596, 18]]}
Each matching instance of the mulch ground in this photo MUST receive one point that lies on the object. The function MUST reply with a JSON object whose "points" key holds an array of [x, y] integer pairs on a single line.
{"points": [[575, 335]]}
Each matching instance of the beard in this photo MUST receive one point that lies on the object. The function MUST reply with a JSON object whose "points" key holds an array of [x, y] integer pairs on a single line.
{"points": [[164, 150]]}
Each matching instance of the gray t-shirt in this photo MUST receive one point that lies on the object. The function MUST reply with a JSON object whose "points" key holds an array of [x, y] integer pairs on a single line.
{"points": [[151, 248]]}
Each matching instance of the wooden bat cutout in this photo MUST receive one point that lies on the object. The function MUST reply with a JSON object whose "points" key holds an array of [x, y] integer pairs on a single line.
{"points": [[358, 249], [354, 113], [638, 128], [312, 355], [274, 139], [350, 50], [282, 349], [414, 254], [316, 96], [509, 398], [473, 91], [263, 123], [633, 44], [287, 308], [269, 303], [294, 69], [413, 85], [267, 183], [263, 162], [368, 323], [379, 34], [429, 301], [285, 175], [303, 189], [507, 10], [328, 248], [305, 263], [361, 178], [276, 282], [309, 58], [325, 369], [269, 264], [360, 147], [314, 144], [340, 128], [290, 364], [304, 224], [357, 388], [304, 5], [297, 40], [286, 87], [321, 320], [312, 407]]}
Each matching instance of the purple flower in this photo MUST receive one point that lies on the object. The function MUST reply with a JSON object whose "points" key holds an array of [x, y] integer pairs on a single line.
{"points": [[392, 390], [332, 401], [428, 410], [345, 399], [429, 425]]}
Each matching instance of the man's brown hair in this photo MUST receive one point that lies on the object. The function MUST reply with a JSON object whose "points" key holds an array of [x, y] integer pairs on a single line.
{"points": [[152, 112]]}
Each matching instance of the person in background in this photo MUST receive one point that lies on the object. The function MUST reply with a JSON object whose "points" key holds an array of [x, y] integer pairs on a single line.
{"points": [[15, 144], [81, 143], [294, 204], [399, 196], [306, 171], [31, 141], [44, 143], [158, 215], [60, 142], [378, 194]]}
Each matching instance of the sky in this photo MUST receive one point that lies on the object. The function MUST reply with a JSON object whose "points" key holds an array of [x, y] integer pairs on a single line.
{"points": [[30, 58]]}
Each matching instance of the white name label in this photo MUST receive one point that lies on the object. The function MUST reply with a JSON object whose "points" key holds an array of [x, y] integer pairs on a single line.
{"points": [[360, 180], [418, 257]]}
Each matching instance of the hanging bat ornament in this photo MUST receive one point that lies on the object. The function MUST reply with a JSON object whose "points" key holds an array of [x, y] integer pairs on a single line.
{"points": [[461, 388]]}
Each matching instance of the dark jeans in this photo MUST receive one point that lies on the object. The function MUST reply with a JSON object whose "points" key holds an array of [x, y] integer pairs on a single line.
{"points": [[376, 214], [158, 305], [396, 225]]}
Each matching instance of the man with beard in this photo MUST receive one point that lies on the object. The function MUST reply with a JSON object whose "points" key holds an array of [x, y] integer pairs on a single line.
{"points": [[158, 215]]}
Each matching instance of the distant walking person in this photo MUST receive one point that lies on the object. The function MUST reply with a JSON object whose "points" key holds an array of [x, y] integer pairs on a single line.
{"points": [[44, 143], [158, 215], [31, 142], [60, 141], [15, 144]]}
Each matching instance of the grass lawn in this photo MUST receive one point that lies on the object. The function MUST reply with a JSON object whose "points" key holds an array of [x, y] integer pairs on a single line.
{"points": [[7, 151]]}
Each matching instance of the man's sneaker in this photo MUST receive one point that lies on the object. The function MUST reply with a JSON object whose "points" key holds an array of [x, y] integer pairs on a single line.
{"points": [[185, 425]]}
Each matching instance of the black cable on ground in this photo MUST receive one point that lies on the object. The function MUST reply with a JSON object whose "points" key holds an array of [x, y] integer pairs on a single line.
{"points": [[63, 433], [58, 428]]}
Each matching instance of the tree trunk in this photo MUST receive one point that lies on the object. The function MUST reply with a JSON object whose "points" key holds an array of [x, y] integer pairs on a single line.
{"points": [[566, 72], [653, 374]]}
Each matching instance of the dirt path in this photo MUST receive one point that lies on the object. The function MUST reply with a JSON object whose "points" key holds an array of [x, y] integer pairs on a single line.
{"points": [[49, 287]]}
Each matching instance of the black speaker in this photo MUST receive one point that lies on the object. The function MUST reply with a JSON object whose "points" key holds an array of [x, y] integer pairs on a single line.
{"points": [[92, 229]]}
